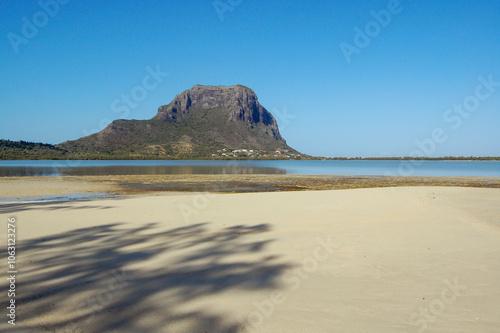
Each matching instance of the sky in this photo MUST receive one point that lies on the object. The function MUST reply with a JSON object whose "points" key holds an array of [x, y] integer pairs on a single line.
{"points": [[343, 78]]}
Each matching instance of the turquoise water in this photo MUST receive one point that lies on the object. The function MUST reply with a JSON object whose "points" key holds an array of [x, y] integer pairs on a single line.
{"points": [[376, 168]]}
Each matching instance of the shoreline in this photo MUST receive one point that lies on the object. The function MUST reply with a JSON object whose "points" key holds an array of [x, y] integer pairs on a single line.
{"points": [[93, 187]]}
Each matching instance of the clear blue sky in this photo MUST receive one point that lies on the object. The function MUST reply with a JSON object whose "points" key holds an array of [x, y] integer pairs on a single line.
{"points": [[62, 81]]}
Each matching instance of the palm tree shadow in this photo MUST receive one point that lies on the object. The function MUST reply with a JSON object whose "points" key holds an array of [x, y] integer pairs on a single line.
{"points": [[115, 279]]}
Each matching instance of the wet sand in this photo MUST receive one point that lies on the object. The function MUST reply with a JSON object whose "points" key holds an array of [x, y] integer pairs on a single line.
{"points": [[36, 187]]}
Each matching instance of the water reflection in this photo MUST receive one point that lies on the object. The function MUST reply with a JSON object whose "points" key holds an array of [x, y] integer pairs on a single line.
{"points": [[159, 167], [135, 170]]}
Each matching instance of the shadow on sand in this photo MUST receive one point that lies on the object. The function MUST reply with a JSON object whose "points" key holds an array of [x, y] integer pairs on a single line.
{"points": [[115, 279], [16, 207]]}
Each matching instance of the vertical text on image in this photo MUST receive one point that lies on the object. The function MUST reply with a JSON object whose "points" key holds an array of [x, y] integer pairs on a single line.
{"points": [[11, 270]]}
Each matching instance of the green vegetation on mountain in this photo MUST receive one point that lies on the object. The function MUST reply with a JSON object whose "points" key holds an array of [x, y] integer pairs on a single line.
{"points": [[203, 122], [23, 150]]}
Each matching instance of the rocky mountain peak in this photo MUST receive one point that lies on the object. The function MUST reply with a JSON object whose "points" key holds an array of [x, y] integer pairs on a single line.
{"points": [[199, 122], [241, 103]]}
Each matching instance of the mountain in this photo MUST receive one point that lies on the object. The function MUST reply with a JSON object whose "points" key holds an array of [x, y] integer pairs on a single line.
{"points": [[204, 121]]}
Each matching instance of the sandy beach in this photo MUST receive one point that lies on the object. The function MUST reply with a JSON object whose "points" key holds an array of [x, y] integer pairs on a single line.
{"points": [[404, 259]]}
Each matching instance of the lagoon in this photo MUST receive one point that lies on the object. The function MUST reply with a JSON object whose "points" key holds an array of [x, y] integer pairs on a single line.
{"points": [[337, 167]]}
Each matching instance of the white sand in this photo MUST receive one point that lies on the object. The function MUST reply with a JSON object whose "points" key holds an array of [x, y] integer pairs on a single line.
{"points": [[419, 259]]}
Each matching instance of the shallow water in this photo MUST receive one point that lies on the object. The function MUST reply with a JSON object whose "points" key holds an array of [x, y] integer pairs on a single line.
{"points": [[66, 197], [378, 168]]}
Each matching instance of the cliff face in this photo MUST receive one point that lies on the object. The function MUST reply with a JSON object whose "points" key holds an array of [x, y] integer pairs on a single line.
{"points": [[199, 120], [240, 103]]}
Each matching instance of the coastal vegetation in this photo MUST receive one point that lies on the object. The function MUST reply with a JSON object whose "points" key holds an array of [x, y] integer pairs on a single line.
{"points": [[24, 150]]}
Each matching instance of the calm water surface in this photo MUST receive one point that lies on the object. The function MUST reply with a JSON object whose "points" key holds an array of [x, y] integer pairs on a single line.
{"points": [[375, 168]]}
